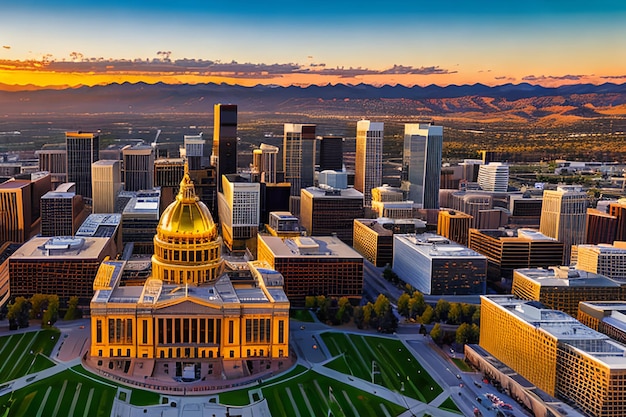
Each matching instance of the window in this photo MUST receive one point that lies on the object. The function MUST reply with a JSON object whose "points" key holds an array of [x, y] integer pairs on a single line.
{"points": [[281, 331], [99, 332], [231, 332]]}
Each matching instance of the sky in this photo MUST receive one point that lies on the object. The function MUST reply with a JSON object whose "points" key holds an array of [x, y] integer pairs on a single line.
{"points": [[548, 42]]}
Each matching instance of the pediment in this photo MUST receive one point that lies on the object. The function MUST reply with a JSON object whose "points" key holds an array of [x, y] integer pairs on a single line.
{"points": [[188, 306]]}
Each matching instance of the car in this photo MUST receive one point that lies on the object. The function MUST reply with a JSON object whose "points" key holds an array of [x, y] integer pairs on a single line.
{"points": [[458, 376], [302, 327], [477, 385]]}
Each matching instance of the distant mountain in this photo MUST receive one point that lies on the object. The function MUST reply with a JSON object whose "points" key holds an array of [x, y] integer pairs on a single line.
{"points": [[512, 102]]}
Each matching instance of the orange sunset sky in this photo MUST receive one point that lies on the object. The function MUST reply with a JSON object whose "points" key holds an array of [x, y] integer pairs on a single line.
{"points": [[71, 43]]}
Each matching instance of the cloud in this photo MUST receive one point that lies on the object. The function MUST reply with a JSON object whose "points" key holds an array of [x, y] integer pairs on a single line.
{"points": [[613, 77], [401, 69], [553, 78], [6, 46]]}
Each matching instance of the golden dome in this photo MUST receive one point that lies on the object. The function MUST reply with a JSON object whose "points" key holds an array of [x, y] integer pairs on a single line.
{"points": [[187, 215]]}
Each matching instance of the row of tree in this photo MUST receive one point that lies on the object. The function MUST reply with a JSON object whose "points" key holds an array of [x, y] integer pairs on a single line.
{"points": [[414, 307], [40, 306], [331, 310]]}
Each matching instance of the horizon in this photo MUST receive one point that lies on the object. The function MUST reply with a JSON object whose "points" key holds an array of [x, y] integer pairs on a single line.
{"points": [[457, 43]]}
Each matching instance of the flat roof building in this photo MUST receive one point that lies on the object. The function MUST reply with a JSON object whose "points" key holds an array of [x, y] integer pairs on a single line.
{"points": [[607, 260], [562, 288], [556, 352], [314, 266], [328, 211], [435, 265], [59, 265], [507, 250], [373, 238]]}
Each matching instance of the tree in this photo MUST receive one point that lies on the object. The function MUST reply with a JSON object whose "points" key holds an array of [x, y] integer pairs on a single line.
{"points": [[436, 333], [403, 305], [19, 313], [463, 334], [476, 316], [310, 301], [388, 322], [427, 316], [369, 315], [381, 305], [441, 310], [455, 314], [475, 333], [417, 304], [344, 312], [359, 317], [39, 303], [72, 312], [468, 312], [51, 314]]}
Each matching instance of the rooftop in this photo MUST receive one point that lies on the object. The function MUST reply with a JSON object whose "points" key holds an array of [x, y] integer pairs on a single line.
{"points": [[321, 246], [42, 248], [434, 246], [564, 328], [346, 193], [566, 277]]}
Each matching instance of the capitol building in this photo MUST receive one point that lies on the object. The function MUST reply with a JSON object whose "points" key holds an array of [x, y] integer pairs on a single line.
{"points": [[196, 310]]}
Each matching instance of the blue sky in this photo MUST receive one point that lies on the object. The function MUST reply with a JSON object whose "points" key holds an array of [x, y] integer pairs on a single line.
{"points": [[507, 39]]}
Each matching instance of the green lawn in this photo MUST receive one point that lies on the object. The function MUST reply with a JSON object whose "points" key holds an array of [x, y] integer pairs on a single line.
{"points": [[19, 353], [461, 365], [449, 405], [301, 315], [393, 366], [310, 393], [70, 392]]}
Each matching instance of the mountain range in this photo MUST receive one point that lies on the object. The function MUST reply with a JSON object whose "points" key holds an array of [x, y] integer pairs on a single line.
{"points": [[508, 102]]}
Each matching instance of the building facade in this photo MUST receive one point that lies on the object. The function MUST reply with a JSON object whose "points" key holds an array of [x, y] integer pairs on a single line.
{"points": [[373, 238], [494, 177], [434, 265], [314, 266], [106, 177], [82, 151], [328, 211], [562, 288], [138, 167], [421, 163], [607, 260], [556, 352], [299, 156], [368, 165], [563, 216], [454, 225], [239, 208], [224, 155], [507, 250]]}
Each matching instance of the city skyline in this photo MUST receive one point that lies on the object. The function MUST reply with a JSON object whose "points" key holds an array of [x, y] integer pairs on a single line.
{"points": [[411, 44]]}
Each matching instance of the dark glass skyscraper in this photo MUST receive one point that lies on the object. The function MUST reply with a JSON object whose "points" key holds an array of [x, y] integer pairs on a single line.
{"points": [[82, 151], [331, 153], [224, 140]]}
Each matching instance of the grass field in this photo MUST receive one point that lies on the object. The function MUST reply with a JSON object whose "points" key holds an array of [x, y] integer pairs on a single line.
{"points": [[461, 365], [71, 392], [391, 364], [449, 405], [19, 353], [301, 315], [304, 392]]}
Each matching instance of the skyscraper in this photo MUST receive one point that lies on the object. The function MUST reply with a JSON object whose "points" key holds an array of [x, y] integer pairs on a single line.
{"points": [[62, 212], [421, 163], [194, 151], [224, 140], [299, 156], [239, 207], [107, 183], [563, 216], [331, 153], [264, 162], [82, 151], [494, 177], [368, 169], [138, 168]]}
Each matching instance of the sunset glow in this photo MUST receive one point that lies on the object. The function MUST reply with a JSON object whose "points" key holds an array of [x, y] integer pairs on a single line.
{"points": [[457, 43]]}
